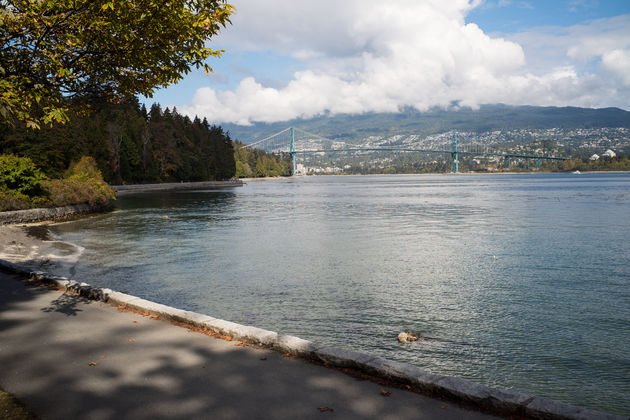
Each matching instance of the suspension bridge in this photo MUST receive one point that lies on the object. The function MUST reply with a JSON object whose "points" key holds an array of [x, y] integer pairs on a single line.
{"points": [[294, 141]]}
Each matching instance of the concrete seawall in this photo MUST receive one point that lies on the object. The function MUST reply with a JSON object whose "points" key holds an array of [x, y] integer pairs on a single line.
{"points": [[68, 212], [50, 214], [182, 186], [502, 402]]}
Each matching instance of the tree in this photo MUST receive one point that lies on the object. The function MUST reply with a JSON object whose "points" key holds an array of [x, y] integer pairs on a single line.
{"points": [[51, 50]]}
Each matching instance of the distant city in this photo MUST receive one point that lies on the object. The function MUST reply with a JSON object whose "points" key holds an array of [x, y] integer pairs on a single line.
{"points": [[575, 143]]}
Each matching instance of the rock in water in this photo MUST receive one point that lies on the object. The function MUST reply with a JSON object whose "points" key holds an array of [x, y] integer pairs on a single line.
{"points": [[406, 337]]}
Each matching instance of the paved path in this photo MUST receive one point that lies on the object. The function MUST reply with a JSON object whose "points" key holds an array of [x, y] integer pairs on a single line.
{"points": [[150, 369]]}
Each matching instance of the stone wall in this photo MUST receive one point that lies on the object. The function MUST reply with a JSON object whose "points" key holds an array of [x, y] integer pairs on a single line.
{"points": [[176, 186], [50, 214]]}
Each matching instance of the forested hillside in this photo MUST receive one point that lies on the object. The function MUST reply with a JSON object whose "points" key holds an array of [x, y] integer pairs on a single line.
{"points": [[129, 144], [255, 163]]}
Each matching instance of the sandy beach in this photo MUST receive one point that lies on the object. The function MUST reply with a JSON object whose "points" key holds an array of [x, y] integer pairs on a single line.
{"points": [[35, 246]]}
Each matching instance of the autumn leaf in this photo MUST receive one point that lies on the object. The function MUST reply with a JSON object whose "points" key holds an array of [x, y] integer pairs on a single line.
{"points": [[93, 364], [242, 344], [287, 355], [263, 358], [131, 340], [326, 408], [386, 393]]}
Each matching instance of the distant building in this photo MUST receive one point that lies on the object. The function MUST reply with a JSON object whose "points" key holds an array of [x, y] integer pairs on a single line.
{"points": [[300, 169], [609, 154], [594, 157]]}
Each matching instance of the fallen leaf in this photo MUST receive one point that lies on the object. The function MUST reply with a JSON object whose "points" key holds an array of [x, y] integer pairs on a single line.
{"points": [[287, 355], [155, 317], [226, 338], [326, 408], [121, 307], [443, 407], [242, 344], [131, 340], [135, 322], [93, 364], [386, 393], [102, 357], [263, 358]]}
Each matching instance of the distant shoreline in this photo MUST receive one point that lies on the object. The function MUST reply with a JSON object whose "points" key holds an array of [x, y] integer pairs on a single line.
{"points": [[270, 178]]}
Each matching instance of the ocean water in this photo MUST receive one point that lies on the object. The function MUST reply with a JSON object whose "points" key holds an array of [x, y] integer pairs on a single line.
{"points": [[514, 281]]}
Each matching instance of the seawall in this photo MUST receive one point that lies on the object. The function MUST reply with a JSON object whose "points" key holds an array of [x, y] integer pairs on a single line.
{"points": [[498, 401], [58, 214], [51, 214], [176, 186]]}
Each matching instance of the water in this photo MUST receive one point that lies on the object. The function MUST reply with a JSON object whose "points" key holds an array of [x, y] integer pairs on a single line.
{"points": [[515, 281]]}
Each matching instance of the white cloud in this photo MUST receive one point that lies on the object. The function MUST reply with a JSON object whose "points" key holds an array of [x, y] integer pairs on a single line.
{"points": [[368, 55], [617, 62]]}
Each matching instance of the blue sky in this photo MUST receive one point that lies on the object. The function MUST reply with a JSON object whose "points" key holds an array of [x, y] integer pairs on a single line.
{"points": [[515, 16], [287, 59]]}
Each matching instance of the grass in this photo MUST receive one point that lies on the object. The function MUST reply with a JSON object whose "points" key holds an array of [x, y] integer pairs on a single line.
{"points": [[12, 409]]}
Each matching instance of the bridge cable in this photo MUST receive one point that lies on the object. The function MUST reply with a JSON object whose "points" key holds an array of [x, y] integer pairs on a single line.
{"points": [[267, 138]]}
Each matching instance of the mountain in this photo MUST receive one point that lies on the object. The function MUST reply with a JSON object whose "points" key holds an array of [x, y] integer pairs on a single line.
{"points": [[353, 128]]}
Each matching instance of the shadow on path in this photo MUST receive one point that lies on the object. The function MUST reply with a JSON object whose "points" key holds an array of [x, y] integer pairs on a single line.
{"points": [[66, 357]]}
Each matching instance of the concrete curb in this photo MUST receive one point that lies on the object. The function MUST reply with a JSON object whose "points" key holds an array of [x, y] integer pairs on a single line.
{"points": [[499, 401]]}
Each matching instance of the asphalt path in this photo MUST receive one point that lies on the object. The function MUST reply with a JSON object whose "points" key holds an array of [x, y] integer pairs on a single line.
{"points": [[65, 357]]}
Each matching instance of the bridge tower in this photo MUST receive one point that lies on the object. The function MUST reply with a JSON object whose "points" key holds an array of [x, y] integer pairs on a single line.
{"points": [[292, 150], [454, 153]]}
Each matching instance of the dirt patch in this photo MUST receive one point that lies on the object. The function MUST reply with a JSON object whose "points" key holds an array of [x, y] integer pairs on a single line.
{"points": [[12, 409]]}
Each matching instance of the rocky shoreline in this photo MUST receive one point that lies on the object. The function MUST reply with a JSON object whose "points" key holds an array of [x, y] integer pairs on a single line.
{"points": [[35, 247], [52, 213], [182, 186]]}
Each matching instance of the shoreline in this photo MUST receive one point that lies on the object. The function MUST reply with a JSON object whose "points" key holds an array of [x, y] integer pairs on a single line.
{"points": [[39, 244], [71, 212], [34, 246], [175, 186], [436, 173], [53, 214]]}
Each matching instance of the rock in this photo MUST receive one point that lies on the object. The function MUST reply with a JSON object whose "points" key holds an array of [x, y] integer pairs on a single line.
{"points": [[407, 337]]}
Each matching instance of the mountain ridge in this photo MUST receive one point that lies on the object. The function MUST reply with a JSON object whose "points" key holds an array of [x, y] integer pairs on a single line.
{"points": [[354, 127]]}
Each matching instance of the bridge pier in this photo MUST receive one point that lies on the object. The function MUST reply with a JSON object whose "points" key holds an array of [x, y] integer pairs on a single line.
{"points": [[292, 151], [454, 153]]}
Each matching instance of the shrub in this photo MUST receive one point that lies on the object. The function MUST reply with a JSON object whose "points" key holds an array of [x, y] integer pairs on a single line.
{"points": [[13, 200], [20, 175], [22, 185], [85, 169], [84, 185]]}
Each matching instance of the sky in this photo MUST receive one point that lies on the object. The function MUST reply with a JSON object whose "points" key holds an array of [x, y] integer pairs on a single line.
{"points": [[288, 59]]}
